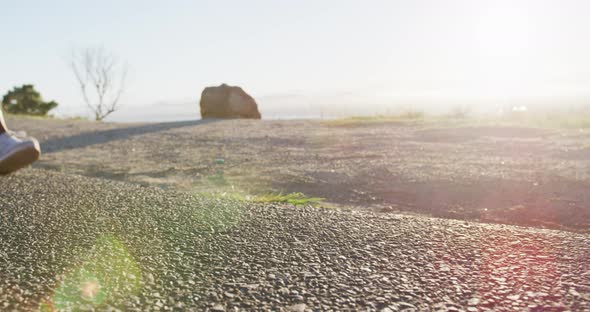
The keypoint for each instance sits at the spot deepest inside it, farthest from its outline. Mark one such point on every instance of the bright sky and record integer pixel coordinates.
(275, 49)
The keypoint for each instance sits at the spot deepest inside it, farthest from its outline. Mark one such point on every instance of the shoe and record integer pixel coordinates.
(16, 153)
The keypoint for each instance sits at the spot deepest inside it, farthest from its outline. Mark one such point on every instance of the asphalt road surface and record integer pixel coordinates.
(503, 174)
(76, 243)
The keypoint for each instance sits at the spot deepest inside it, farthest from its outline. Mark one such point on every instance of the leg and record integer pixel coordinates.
(3, 127)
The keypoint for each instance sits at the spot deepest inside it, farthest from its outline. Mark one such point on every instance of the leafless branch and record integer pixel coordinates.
(101, 78)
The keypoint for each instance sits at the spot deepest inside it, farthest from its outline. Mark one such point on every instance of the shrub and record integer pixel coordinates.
(26, 100)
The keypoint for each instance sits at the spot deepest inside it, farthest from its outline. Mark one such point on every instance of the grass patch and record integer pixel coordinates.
(296, 199)
(36, 117)
(554, 120)
(218, 179)
(291, 198)
(233, 196)
(461, 117)
(45, 117)
(410, 117)
(406, 119)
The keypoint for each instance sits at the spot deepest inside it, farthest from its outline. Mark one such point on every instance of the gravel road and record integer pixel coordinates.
(71, 242)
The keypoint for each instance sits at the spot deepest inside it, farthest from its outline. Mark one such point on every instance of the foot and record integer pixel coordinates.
(16, 153)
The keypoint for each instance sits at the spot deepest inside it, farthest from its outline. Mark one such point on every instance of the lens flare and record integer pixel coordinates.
(108, 274)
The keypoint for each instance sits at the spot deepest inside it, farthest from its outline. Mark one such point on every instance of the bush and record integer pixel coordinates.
(26, 100)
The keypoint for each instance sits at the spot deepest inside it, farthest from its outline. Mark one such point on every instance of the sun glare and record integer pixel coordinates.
(505, 41)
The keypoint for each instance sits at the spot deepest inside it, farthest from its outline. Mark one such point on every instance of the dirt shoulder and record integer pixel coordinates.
(518, 175)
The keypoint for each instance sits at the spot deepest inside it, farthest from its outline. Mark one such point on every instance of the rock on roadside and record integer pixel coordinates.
(227, 101)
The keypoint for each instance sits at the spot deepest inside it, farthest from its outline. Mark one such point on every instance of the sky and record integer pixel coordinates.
(321, 56)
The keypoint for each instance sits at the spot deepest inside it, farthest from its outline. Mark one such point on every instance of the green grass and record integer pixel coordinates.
(234, 196)
(218, 179)
(296, 199)
(291, 198)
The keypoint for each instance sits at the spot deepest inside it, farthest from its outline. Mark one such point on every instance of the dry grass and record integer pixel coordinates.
(410, 117)
(549, 120)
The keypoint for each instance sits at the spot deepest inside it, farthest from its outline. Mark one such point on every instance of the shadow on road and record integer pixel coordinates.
(99, 137)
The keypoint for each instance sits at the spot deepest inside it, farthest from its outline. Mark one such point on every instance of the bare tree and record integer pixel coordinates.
(101, 77)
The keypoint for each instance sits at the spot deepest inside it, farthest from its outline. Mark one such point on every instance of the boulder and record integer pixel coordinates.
(227, 102)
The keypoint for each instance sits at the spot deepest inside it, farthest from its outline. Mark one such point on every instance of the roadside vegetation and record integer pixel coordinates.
(291, 198)
(463, 117)
(45, 117)
(409, 117)
(295, 199)
(552, 120)
(26, 100)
